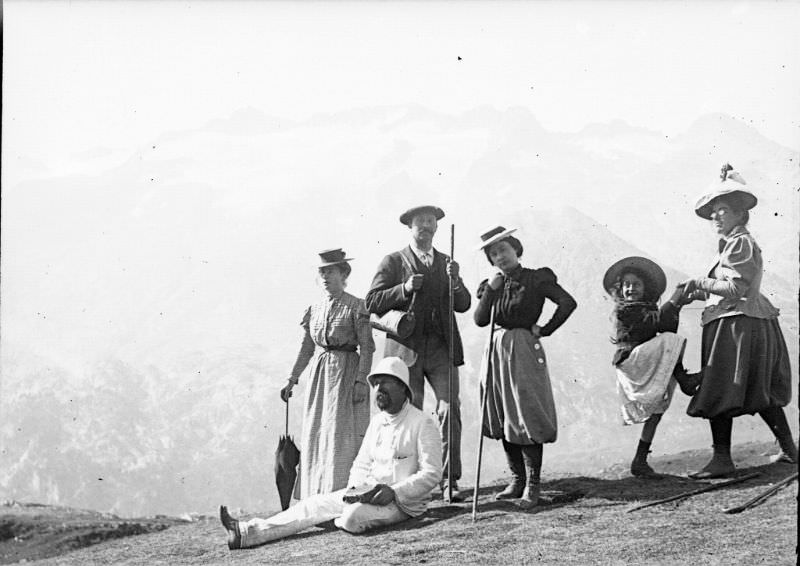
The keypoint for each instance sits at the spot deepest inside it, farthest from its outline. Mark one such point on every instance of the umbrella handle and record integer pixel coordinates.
(287, 417)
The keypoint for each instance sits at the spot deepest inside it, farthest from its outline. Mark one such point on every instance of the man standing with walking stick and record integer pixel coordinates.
(420, 270)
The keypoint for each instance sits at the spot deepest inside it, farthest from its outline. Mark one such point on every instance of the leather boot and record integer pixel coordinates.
(232, 527)
(720, 466)
(776, 420)
(688, 382)
(639, 466)
(517, 466)
(532, 455)
(788, 454)
(783, 458)
(530, 496)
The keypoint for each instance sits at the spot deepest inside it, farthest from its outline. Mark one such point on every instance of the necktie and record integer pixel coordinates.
(426, 259)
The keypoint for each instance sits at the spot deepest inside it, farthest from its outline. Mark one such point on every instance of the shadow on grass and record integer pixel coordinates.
(566, 491)
(612, 492)
(631, 489)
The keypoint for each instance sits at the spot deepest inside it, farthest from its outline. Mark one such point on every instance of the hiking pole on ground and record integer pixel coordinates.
(697, 491)
(483, 395)
(450, 375)
(762, 496)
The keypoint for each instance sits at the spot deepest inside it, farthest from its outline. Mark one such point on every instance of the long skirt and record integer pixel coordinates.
(333, 424)
(745, 368)
(519, 399)
(644, 380)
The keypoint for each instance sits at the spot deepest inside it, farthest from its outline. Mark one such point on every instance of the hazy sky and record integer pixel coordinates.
(90, 86)
(200, 253)
(89, 79)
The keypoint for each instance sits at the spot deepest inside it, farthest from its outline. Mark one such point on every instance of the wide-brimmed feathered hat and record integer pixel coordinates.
(730, 185)
(494, 235)
(642, 264)
(333, 257)
(409, 214)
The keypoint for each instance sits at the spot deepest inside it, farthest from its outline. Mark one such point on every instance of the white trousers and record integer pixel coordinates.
(352, 517)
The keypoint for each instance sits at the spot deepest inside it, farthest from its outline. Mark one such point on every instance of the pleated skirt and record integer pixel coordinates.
(745, 368)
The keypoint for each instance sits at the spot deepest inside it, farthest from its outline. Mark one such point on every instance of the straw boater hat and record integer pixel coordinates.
(409, 214)
(394, 367)
(494, 235)
(646, 266)
(333, 257)
(730, 185)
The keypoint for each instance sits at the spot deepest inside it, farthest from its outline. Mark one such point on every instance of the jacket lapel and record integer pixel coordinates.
(413, 260)
(713, 266)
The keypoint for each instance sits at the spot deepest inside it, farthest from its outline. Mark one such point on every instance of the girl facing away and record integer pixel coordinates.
(649, 354)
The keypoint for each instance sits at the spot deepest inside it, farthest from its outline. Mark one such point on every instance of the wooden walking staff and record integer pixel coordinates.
(483, 396)
(450, 375)
(762, 496)
(688, 494)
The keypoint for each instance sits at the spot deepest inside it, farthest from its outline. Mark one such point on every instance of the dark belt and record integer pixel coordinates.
(345, 348)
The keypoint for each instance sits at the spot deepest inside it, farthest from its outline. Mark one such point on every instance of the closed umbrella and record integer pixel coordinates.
(287, 458)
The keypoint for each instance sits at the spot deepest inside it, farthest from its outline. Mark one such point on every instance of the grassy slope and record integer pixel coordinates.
(583, 521)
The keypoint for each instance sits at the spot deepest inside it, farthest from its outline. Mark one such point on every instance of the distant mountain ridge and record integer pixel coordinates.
(151, 310)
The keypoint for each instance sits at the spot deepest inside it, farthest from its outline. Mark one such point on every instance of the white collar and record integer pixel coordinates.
(397, 417)
(421, 253)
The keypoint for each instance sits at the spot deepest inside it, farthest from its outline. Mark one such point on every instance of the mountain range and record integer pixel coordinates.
(151, 304)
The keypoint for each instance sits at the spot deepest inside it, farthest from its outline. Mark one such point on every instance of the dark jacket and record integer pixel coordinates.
(430, 307)
(639, 321)
(520, 301)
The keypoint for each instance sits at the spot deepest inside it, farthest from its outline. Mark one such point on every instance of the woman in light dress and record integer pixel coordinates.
(337, 347)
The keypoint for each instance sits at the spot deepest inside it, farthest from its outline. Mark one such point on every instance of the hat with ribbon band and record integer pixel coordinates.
(333, 257)
(494, 235)
(409, 214)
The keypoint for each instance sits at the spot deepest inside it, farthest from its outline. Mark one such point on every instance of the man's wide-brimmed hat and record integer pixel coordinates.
(494, 235)
(730, 186)
(333, 257)
(650, 268)
(409, 214)
(394, 367)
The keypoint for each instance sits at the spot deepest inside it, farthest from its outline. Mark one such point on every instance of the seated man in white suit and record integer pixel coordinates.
(399, 463)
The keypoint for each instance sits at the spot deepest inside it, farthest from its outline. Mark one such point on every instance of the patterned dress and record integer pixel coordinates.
(334, 424)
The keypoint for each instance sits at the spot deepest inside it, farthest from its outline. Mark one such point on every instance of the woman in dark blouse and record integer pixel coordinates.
(519, 400)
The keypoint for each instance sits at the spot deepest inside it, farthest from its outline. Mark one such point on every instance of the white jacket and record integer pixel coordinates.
(403, 451)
